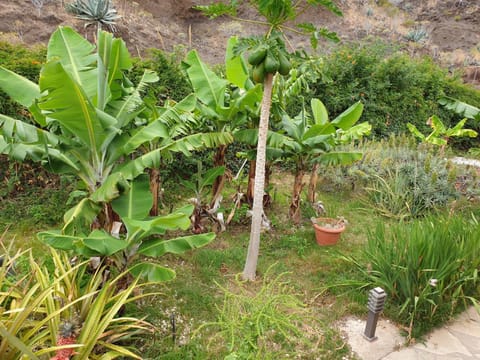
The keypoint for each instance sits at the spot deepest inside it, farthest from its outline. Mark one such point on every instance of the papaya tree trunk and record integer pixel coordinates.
(251, 182)
(155, 190)
(250, 268)
(295, 210)
(218, 160)
(312, 186)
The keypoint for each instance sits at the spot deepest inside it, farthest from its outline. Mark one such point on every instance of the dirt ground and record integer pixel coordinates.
(453, 26)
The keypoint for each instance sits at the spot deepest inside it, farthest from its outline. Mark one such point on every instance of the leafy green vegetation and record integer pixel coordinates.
(129, 161)
(395, 88)
(40, 303)
(429, 268)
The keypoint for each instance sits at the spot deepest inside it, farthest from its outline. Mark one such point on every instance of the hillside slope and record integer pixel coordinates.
(448, 30)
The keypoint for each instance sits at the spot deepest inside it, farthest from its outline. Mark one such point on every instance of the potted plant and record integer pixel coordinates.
(328, 230)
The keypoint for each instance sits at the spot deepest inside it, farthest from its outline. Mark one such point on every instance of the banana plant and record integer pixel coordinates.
(129, 250)
(197, 185)
(224, 104)
(440, 134)
(461, 108)
(311, 139)
(85, 111)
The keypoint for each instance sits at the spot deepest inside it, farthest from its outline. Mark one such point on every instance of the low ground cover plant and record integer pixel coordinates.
(264, 323)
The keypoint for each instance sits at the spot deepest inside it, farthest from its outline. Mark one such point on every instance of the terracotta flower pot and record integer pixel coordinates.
(327, 230)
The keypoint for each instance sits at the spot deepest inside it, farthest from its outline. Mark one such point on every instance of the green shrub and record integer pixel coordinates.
(172, 84)
(23, 61)
(429, 269)
(394, 88)
(398, 178)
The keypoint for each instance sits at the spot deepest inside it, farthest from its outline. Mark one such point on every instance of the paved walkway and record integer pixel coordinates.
(458, 340)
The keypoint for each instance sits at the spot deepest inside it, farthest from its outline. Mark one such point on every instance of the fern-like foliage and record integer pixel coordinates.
(101, 12)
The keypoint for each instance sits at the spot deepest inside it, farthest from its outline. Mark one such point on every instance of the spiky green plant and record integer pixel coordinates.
(100, 12)
(429, 268)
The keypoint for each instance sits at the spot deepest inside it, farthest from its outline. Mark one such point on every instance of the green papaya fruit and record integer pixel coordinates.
(285, 64)
(271, 63)
(258, 74)
(257, 56)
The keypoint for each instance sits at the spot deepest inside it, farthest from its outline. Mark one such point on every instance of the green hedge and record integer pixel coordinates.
(172, 84)
(395, 88)
(23, 61)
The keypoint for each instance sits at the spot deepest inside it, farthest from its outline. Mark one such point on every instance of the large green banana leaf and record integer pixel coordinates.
(76, 56)
(68, 103)
(179, 245)
(349, 117)
(460, 107)
(339, 158)
(235, 67)
(115, 57)
(22, 90)
(136, 202)
(208, 87)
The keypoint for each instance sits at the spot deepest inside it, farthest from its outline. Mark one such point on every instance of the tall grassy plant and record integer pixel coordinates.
(428, 268)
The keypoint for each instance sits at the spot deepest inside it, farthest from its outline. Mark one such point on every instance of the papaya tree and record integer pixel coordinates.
(268, 56)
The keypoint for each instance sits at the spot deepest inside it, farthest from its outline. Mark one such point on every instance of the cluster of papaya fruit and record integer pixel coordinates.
(269, 59)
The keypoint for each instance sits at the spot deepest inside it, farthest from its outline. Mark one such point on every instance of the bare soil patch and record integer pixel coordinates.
(172, 25)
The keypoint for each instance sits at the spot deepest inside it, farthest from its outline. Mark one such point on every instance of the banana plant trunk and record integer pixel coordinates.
(312, 186)
(295, 210)
(105, 218)
(155, 190)
(217, 188)
(250, 268)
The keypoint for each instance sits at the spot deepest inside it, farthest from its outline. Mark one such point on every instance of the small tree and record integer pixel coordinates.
(311, 139)
(268, 56)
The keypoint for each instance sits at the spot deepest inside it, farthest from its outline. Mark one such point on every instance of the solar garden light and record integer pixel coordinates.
(376, 301)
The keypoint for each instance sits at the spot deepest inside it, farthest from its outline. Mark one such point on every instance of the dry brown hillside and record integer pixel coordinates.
(452, 27)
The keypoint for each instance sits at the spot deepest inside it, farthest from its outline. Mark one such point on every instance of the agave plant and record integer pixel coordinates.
(100, 12)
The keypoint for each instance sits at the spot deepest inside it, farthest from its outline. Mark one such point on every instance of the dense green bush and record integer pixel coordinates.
(23, 61)
(399, 178)
(428, 268)
(172, 84)
(395, 88)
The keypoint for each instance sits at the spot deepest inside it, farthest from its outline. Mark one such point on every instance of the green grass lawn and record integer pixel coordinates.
(317, 277)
